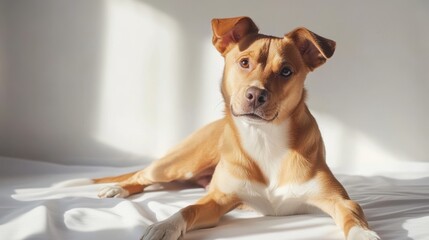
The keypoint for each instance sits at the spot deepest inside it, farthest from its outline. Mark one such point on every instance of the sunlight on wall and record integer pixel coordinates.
(211, 105)
(141, 64)
(353, 152)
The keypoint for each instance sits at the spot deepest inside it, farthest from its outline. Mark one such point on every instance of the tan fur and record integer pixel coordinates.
(218, 148)
(197, 216)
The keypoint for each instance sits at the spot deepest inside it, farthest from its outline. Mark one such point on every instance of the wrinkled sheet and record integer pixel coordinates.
(397, 207)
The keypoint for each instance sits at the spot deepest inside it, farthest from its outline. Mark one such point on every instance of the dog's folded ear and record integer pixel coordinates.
(227, 31)
(314, 49)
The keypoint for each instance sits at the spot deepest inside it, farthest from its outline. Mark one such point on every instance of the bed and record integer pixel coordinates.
(32, 207)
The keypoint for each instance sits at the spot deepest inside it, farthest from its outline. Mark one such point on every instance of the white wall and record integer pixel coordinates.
(2, 59)
(117, 82)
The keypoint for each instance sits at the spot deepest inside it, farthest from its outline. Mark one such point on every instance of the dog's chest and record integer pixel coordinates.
(268, 146)
(285, 200)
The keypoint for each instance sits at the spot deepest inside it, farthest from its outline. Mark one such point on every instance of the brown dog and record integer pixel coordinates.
(267, 152)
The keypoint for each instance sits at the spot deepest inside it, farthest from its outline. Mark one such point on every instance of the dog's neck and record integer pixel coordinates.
(269, 137)
(266, 144)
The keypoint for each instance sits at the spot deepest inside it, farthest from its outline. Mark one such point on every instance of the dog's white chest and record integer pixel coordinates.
(285, 200)
(268, 146)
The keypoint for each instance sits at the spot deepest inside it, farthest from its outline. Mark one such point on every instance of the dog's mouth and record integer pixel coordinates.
(254, 116)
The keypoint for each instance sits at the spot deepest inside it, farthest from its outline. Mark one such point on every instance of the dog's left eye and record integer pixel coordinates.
(244, 63)
(286, 72)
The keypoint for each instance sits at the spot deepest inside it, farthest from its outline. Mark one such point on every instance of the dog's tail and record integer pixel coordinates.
(89, 181)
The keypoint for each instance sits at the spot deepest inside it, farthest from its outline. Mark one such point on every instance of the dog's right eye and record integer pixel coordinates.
(244, 63)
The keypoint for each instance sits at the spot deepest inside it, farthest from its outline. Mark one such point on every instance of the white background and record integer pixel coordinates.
(119, 82)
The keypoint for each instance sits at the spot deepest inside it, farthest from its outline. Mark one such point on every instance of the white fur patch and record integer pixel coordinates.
(286, 200)
(266, 144)
(172, 228)
(189, 175)
(359, 233)
(114, 191)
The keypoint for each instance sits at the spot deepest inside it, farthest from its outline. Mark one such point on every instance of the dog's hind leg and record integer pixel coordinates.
(192, 160)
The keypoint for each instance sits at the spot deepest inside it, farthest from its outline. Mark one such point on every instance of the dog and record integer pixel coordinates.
(266, 152)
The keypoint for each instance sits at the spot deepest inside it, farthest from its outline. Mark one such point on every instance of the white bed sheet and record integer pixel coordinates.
(397, 207)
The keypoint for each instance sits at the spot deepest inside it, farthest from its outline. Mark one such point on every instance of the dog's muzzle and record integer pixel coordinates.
(253, 106)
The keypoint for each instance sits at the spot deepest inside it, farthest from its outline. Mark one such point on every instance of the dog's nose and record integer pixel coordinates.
(256, 96)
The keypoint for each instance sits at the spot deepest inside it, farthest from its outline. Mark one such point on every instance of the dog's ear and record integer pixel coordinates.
(231, 30)
(314, 49)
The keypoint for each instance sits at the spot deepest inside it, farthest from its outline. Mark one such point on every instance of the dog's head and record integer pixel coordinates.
(264, 76)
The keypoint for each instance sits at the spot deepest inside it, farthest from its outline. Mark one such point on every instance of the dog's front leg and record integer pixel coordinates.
(347, 214)
(205, 213)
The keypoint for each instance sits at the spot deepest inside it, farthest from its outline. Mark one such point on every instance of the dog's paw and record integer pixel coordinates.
(114, 191)
(164, 230)
(359, 233)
